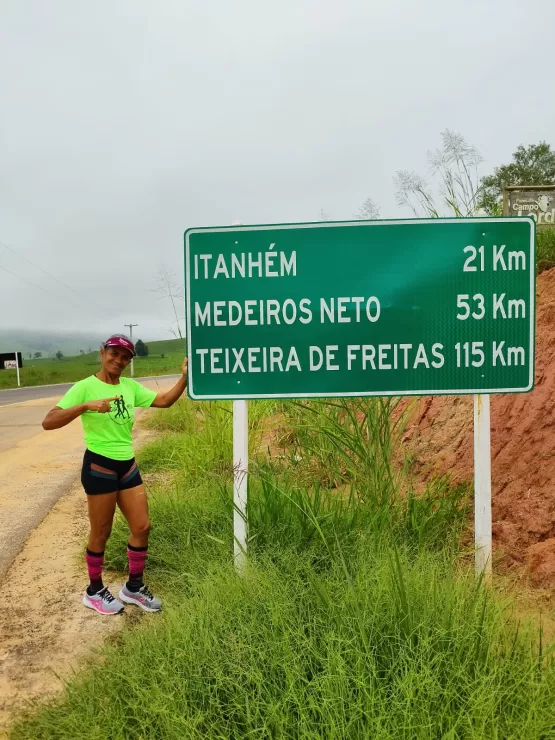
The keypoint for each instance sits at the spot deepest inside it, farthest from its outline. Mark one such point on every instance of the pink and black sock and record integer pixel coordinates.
(137, 559)
(95, 560)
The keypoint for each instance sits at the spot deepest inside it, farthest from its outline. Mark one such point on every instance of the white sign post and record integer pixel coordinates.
(11, 365)
(240, 477)
(482, 485)
(240, 480)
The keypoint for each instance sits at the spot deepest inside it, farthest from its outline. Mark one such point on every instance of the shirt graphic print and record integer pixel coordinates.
(109, 434)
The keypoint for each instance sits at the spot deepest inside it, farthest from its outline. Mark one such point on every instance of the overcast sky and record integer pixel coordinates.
(124, 123)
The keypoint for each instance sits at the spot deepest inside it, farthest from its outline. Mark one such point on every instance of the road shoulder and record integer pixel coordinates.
(45, 632)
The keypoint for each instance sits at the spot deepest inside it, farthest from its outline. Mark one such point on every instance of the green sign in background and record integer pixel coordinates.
(418, 276)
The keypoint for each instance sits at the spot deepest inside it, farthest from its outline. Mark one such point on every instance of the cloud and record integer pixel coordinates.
(125, 123)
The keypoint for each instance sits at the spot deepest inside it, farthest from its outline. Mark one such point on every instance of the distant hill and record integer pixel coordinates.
(48, 343)
(165, 357)
(166, 346)
(29, 341)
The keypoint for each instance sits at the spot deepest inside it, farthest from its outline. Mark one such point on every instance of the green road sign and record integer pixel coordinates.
(420, 307)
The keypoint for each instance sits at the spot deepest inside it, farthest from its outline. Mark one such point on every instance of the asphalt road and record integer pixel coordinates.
(18, 395)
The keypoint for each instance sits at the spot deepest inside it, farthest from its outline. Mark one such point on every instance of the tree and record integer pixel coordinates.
(368, 211)
(59, 355)
(456, 166)
(37, 355)
(30, 356)
(81, 351)
(169, 288)
(141, 348)
(531, 165)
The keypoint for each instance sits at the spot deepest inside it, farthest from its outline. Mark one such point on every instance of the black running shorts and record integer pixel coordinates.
(102, 475)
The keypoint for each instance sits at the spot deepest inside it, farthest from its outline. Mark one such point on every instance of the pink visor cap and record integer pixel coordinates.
(118, 341)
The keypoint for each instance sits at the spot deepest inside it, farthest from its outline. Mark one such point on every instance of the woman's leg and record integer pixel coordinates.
(101, 515)
(100, 481)
(134, 507)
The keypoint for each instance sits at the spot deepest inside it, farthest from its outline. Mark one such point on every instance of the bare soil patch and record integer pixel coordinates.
(45, 631)
(523, 454)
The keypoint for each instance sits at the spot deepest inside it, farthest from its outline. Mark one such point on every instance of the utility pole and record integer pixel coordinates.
(131, 338)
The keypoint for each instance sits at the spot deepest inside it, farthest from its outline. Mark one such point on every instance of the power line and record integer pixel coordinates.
(44, 290)
(11, 249)
(7, 246)
(28, 281)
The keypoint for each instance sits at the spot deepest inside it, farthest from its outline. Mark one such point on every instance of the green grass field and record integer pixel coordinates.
(358, 615)
(164, 358)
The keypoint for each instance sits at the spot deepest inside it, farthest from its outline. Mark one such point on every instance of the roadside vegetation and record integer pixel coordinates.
(545, 249)
(358, 614)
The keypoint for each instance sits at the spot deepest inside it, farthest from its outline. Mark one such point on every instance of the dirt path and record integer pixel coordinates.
(36, 467)
(39, 646)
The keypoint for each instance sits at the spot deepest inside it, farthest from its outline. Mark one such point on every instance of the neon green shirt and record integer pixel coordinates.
(109, 434)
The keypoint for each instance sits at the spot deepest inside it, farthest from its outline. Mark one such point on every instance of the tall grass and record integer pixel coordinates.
(545, 249)
(348, 440)
(391, 648)
(356, 616)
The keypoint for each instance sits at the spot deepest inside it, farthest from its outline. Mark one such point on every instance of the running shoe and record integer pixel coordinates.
(103, 602)
(143, 598)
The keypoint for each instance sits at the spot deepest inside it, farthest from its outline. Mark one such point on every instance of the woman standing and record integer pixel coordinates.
(106, 403)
